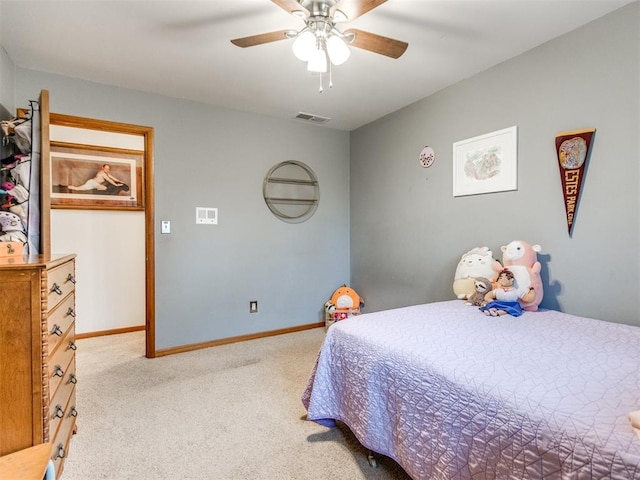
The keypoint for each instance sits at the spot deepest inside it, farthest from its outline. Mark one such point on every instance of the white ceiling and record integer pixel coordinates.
(182, 49)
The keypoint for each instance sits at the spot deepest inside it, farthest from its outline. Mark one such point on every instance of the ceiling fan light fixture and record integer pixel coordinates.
(337, 50)
(304, 45)
(318, 61)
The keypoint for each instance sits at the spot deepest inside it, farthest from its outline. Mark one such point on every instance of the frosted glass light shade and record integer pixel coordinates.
(338, 50)
(318, 61)
(304, 45)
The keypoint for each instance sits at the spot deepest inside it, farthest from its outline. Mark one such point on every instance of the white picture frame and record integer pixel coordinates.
(486, 164)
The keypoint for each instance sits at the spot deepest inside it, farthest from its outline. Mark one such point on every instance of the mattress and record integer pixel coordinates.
(450, 393)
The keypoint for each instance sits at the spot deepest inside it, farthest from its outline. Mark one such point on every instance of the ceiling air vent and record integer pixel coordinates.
(310, 117)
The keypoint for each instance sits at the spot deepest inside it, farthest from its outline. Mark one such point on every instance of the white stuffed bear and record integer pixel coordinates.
(477, 262)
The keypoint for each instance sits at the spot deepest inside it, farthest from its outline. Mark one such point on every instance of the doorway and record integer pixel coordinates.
(69, 134)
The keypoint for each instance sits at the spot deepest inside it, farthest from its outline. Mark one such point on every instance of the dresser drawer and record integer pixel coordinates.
(60, 441)
(60, 402)
(59, 363)
(59, 321)
(60, 282)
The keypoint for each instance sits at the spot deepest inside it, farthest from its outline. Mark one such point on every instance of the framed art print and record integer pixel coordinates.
(93, 177)
(486, 164)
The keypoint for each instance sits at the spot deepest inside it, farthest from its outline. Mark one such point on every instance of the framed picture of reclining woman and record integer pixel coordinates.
(96, 177)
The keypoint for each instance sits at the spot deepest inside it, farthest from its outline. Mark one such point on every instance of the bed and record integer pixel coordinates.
(450, 393)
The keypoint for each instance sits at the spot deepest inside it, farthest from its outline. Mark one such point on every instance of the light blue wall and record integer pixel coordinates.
(212, 157)
(408, 231)
(7, 86)
(405, 229)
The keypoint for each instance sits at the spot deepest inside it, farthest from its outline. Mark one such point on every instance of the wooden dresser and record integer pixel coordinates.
(37, 354)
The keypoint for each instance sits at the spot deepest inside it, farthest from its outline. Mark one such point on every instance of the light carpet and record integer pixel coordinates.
(226, 412)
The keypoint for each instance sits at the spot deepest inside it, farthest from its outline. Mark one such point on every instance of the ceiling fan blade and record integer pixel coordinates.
(355, 8)
(291, 6)
(377, 43)
(260, 39)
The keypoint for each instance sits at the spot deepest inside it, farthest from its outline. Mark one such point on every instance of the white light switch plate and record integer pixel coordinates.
(165, 226)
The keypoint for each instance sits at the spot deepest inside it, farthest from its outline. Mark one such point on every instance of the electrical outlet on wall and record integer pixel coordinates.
(253, 306)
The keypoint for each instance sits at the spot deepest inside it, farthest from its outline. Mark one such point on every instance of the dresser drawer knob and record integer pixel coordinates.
(59, 413)
(71, 278)
(56, 289)
(58, 371)
(73, 379)
(72, 346)
(60, 453)
(73, 412)
(56, 330)
(71, 312)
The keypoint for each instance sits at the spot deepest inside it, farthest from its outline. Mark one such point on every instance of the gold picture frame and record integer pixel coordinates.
(96, 177)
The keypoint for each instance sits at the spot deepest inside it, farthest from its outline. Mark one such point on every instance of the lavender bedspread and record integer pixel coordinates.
(450, 393)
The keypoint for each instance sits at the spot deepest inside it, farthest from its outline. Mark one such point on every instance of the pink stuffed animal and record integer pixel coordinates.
(522, 259)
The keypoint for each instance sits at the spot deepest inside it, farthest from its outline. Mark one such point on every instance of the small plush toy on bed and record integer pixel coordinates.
(504, 299)
(521, 258)
(477, 262)
(483, 286)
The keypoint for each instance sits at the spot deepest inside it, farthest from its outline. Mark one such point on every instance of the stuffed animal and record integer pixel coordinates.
(483, 286)
(329, 314)
(345, 298)
(522, 259)
(343, 303)
(506, 298)
(477, 262)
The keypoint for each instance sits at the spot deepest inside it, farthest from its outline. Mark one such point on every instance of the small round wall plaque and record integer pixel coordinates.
(427, 157)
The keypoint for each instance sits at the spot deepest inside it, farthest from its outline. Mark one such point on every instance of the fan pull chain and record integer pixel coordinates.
(320, 89)
(330, 76)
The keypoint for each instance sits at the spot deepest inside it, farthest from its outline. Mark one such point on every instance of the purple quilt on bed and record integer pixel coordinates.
(450, 393)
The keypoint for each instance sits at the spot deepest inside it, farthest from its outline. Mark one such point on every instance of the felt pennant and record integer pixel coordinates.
(572, 149)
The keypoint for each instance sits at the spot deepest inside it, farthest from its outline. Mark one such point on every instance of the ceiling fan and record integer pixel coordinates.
(320, 42)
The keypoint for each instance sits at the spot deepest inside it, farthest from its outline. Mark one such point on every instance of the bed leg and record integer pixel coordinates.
(372, 459)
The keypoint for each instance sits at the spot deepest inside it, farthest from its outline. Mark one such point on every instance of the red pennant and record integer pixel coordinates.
(572, 149)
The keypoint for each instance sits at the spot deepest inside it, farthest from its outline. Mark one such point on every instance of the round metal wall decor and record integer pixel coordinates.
(291, 191)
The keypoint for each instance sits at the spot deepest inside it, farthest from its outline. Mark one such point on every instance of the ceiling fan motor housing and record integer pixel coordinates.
(318, 8)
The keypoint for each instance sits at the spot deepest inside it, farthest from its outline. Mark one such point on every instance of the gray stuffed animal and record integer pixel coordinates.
(483, 286)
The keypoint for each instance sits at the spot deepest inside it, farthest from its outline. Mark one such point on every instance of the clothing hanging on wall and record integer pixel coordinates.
(20, 180)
